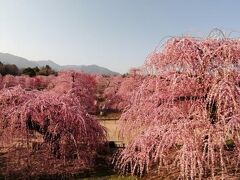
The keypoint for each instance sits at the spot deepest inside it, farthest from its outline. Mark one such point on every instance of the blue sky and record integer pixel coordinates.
(117, 34)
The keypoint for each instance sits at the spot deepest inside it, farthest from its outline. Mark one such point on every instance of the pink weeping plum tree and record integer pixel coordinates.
(81, 85)
(186, 113)
(61, 119)
(118, 90)
(110, 97)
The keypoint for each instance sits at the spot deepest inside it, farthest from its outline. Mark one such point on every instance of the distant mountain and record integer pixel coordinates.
(50, 63)
(19, 61)
(91, 69)
(23, 63)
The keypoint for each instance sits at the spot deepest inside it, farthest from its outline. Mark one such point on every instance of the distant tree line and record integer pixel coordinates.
(8, 69)
(12, 69)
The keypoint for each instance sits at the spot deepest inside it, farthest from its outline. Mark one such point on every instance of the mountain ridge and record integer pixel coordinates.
(24, 63)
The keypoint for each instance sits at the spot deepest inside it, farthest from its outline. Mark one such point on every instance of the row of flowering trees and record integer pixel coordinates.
(185, 114)
(37, 82)
(113, 92)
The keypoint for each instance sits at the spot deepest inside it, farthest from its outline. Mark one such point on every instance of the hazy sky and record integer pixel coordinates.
(117, 34)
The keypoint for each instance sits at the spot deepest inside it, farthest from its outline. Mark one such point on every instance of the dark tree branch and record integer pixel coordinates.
(49, 137)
